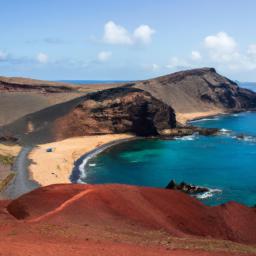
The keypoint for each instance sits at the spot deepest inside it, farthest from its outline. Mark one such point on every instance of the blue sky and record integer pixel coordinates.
(126, 40)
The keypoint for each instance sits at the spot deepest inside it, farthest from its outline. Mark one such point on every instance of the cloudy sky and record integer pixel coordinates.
(126, 40)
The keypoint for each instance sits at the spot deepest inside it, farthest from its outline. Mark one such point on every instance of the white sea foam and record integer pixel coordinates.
(205, 119)
(82, 167)
(208, 194)
(224, 131)
(246, 138)
(188, 137)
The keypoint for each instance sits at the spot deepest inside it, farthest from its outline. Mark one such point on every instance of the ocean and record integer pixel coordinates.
(226, 163)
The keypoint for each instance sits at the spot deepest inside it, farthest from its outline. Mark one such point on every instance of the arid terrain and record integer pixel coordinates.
(43, 127)
(128, 220)
(26, 96)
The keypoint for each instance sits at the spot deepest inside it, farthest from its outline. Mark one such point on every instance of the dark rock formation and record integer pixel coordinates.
(186, 188)
(119, 110)
(189, 130)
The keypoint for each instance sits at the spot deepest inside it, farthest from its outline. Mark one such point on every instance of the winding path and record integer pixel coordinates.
(21, 183)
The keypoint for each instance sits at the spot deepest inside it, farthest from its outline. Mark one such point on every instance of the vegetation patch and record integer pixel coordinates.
(7, 159)
(6, 181)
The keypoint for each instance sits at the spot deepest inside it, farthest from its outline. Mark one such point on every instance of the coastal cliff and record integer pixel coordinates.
(120, 110)
(145, 108)
(200, 91)
(117, 110)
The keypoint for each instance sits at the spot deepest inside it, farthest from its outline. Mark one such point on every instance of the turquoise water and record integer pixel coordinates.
(221, 162)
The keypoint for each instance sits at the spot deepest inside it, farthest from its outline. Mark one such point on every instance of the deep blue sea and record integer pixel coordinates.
(225, 163)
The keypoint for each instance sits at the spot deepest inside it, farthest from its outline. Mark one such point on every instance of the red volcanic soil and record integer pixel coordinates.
(122, 220)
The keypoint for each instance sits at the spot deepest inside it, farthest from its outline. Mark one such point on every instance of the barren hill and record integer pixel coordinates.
(22, 96)
(133, 220)
(143, 108)
(198, 91)
(117, 110)
(27, 84)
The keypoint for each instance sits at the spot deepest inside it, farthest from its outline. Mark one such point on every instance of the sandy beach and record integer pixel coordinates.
(183, 118)
(55, 167)
(11, 150)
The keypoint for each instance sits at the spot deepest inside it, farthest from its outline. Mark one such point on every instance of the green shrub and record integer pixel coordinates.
(7, 160)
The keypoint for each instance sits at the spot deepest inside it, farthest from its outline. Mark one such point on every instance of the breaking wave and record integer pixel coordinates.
(205, 119)
(225, 131)
(208, 194)
(246, 138)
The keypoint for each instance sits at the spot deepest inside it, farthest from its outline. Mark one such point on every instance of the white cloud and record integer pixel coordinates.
(223, 51)
(221, 42)
(252, 51)
(221, 47)
(104, 56)
(117, 34)
(143, 34)
(195, 55)
(42, 58)
(3, 55)
(152, 67)
(175, 62)
(155, 67)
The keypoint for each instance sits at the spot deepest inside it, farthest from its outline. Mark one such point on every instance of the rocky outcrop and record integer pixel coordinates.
(119, 110)
(186, 188)
(188, 130)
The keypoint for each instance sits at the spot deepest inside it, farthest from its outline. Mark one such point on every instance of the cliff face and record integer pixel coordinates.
(117, 111)
(143, 108)
(199, 90)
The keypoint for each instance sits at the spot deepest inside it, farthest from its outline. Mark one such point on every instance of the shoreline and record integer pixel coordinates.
(53, 163)
(185, 118)
(198, 116)
(62, 165)
(83, 160)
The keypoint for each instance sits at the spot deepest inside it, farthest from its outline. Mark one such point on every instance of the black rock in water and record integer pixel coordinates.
(186, 188)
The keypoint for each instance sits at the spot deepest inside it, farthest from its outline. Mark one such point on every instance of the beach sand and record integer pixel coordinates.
(55, 167)
(183, 118)
(9, 150)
